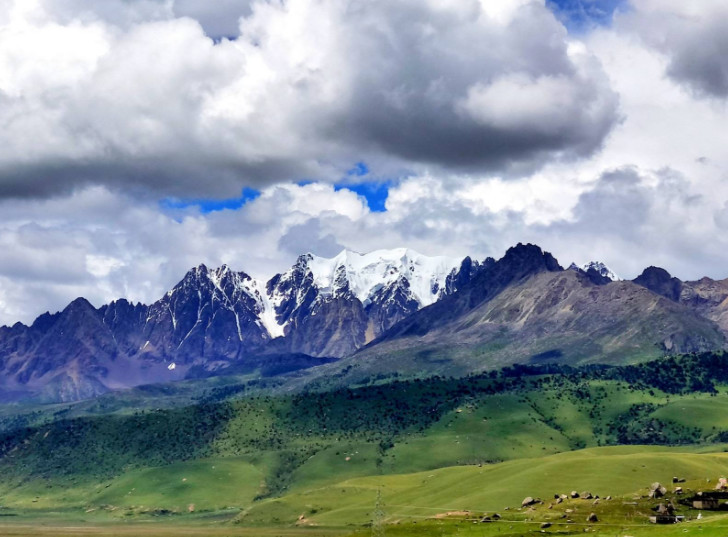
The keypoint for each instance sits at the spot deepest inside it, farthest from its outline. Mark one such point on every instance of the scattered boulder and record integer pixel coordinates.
(657, 490)
(678, 490)
(608, 498)
(564, 497)
(574, 494)
(722, 484)
(587, 495)
(545, 525)
(596, 502)
(664, 509)
(559, 500)
(528, 500)
(496, 516)
(592, 518)
(486, 519)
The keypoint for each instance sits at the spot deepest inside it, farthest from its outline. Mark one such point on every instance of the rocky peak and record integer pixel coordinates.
(462, 275)
(526, 259)
(659, 281)
(192, 279)
(79, 304)
(45, 321)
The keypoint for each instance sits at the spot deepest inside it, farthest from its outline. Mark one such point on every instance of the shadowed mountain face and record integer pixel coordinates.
(405, 313)
(659, 281)
(526, 309)
(706, 296)
(219, 321)
(336, 310)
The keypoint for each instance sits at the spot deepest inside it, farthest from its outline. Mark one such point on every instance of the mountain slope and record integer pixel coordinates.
(526, 308)
(707, 297)
(404, 312)
(219, 321)
(300, 445)
(332, 307)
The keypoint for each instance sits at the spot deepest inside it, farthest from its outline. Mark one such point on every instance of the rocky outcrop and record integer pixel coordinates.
(659, 281)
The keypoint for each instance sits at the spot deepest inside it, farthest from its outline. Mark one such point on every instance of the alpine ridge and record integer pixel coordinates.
(217, 320)
(381, 313)
(525, 308)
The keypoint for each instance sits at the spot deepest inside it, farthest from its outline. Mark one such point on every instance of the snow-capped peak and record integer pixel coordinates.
(375, 277)
(602, 269)
(365, 274)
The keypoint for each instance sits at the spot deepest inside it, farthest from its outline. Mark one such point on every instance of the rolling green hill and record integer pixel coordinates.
(487, 441)
(491, 488)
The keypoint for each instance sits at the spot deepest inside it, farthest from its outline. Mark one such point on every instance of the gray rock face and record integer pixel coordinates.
(451, 316)
(336, 320)
(212, 321)
(659, 281)
(209, 315)
(526, 309)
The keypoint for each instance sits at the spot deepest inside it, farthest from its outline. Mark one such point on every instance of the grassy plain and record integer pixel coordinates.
(315, 463)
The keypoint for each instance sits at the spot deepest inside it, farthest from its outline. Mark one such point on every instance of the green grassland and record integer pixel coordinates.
(418, 504)
(428, 446)
(615, 471)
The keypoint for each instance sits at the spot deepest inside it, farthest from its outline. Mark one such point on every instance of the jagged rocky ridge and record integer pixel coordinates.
(525, 308)
(400, 310)
(218, 320)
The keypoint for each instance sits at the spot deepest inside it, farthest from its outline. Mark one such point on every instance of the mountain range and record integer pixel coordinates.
(356, 316)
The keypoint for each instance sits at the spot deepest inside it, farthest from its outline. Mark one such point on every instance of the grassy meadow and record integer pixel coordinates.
(316, 463)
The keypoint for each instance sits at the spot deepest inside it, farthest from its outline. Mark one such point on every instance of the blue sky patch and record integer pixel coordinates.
(212, 205)
(375, 192)
(582, 15)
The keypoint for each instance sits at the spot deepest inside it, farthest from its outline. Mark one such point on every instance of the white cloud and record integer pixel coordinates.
(134, 96)
(501, 127)
(693, 38)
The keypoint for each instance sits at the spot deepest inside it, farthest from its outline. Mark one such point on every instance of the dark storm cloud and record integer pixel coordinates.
(309, 88)
(693, 36)
(219, 18)
(428, 100)
(180, 176)
(700, 57)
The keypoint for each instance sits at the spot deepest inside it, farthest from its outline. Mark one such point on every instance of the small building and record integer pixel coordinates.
(711, 500)
(665, 514)
(706, 503)
(663, 519)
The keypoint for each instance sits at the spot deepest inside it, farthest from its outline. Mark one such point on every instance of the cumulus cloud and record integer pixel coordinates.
(692, 35)
(136, 95)
(105, 245)
(219, 19)
(498, 126)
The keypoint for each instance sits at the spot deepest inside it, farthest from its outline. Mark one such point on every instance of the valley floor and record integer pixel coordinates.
(443, 502)
(428, 457)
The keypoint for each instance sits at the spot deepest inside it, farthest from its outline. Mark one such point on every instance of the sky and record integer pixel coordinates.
(140, 138)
